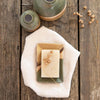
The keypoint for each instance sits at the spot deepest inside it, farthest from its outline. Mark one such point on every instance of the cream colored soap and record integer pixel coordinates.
(50, 63)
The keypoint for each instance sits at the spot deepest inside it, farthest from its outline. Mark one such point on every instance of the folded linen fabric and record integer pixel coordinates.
(28, 64)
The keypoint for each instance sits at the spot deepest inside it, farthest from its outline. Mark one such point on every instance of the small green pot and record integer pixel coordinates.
(49, 10)
(30, 20)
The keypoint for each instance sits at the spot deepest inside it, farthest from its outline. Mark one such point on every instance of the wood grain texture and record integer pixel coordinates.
(9, 49)
(26, 93)
(67, 27)
(90, 53)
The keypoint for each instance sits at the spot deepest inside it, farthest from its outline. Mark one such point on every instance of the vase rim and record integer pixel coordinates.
(49, 1)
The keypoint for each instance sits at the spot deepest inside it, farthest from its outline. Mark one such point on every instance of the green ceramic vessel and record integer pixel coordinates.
(30, 20)
(49, 9)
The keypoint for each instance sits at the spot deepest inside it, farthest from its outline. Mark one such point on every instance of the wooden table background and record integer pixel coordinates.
(86, 78)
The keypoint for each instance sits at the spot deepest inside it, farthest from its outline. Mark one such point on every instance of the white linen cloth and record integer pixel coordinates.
(28, 64)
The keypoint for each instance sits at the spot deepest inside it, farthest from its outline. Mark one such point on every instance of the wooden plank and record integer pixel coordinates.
(90, 55)
(65, 26)
(26, 93)
(9, 49)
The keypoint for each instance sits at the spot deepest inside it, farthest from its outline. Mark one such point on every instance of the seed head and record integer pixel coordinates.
(81, 21)
(77, 13)
(93, 16)
(82, 26)
(74, 13)
(89, 11)
(92, 19)
(85, 7)
(89, 14)
(90, 22)
(80, 15)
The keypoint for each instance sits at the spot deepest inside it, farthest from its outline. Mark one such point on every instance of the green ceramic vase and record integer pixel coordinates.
(30, 20)
(49, 10)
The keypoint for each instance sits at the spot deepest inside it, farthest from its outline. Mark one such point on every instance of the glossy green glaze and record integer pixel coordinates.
(52, 80)
(30, 20)
(48, 8)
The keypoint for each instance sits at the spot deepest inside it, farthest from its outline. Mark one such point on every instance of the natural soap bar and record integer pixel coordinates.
(49, 46)
(50, 63)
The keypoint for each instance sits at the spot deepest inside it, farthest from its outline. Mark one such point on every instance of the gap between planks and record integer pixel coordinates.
(20, 50)
(79, 50)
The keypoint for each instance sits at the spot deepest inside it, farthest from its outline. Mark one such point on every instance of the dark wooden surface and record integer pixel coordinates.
(86, 78)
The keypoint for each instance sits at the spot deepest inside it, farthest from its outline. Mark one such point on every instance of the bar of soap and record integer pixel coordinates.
(49, 46)
(50, 63)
